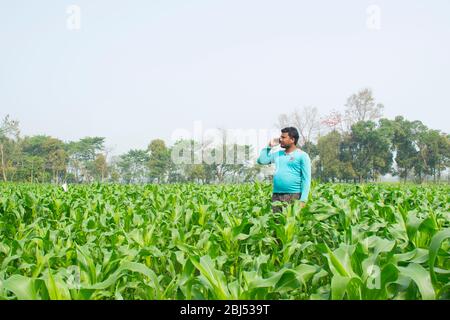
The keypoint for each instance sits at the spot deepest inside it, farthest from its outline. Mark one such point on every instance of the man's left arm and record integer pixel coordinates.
(305, 171)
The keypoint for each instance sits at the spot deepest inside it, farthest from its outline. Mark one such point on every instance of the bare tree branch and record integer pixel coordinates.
(306, 120)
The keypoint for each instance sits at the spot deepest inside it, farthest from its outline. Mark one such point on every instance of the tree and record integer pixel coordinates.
(329, 165)
(347, 158)
(311, 149)
(180, 156)
(231, 160)
(82, 155)
(133, 166)
(403, 142)
(33, 169)
(421, 169)
(196, 173)
(100, 168)
(333, 121)
(88, 147)
(53, 157)
(371, 147)
(306, 121)
(362, 107)
(235, 161)
(433, 153)
(251, 173)
(159, 160)
(443, 162)
(114, 173)
(9, 145)
(364, 152)
(225, 156)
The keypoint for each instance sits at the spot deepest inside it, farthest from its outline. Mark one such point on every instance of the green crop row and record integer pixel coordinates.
(189, 241)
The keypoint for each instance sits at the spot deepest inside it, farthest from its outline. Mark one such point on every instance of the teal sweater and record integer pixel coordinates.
(292, 173)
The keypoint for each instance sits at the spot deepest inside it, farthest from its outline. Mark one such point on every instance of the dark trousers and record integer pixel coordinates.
(285, 198)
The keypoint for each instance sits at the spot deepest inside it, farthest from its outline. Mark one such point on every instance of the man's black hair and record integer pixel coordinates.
(292, 132)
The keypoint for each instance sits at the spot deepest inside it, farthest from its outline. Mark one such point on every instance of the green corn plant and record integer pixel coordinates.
(187, 241)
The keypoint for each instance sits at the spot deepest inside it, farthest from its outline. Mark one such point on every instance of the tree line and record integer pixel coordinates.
(358, 145)
(45, 159)
(407, 149)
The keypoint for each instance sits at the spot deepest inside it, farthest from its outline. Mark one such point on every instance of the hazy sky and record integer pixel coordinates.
(138, 70)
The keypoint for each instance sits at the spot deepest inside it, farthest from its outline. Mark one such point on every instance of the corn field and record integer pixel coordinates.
(187, 241)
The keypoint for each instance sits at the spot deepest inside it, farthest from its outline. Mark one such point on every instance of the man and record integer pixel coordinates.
(292, 178)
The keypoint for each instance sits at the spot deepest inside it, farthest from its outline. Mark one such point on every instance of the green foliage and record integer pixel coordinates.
(187, 241)
(365, 151)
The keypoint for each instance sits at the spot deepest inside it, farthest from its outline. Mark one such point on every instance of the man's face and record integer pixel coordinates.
(285, 140)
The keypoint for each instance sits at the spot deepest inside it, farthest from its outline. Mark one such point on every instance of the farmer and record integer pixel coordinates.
(292, 177)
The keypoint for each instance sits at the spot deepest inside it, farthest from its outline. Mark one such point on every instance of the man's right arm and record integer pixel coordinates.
(265, 157)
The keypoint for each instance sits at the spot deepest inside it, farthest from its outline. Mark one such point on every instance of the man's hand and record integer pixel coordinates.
(274, 142)
(302, 204)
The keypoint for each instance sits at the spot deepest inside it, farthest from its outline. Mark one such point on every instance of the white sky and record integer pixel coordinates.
(139, 70)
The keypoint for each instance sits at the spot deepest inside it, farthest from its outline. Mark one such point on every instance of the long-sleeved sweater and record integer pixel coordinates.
(292, 171)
